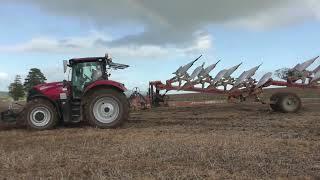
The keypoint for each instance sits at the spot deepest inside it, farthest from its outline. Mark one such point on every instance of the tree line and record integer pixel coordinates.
(18, 89)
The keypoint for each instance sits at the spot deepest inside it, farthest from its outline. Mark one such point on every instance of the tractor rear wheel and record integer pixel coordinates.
(107, 108)
(41, 115)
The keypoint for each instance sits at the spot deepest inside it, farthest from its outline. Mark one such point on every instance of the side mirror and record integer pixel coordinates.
(65, 66)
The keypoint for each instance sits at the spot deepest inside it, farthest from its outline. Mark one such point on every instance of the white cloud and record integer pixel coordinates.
(169, 26)
(278, 16)
(98, 44)
(4, 81)
(3, 76)
(168, 22)
(203, 42)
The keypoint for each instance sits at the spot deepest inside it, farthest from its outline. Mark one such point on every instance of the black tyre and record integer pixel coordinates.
(106, 108)
(41, 115)
(289, 103)
(274, 102)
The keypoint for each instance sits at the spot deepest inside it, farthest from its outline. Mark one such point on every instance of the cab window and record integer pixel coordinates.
(83, 74)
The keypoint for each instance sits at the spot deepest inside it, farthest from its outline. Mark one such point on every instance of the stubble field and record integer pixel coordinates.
(222, 141)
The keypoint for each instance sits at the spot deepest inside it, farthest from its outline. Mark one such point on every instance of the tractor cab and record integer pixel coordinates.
(87, 71)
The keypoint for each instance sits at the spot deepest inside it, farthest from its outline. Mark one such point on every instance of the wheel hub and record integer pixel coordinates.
(106, 110)
(291, 103)
(40, 116)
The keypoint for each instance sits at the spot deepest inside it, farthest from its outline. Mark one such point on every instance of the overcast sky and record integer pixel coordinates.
(155, 37)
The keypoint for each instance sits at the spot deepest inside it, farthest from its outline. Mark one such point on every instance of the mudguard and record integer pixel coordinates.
(109, 83)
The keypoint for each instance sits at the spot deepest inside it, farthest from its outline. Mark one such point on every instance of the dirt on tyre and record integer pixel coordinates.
(289, 103)
(274, 101)
(41, 115)
(106, 108)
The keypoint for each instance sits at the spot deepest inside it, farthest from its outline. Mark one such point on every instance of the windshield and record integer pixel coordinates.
(83, 74)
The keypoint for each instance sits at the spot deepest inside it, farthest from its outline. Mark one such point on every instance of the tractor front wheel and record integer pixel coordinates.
(41, 115)
(106, 108)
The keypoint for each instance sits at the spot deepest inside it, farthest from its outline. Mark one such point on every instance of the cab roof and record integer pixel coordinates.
(87, 59)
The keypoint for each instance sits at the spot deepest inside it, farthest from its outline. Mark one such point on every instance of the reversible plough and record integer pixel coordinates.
(241, 88)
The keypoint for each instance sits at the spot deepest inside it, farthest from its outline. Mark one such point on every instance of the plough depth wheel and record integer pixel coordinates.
(285, 102)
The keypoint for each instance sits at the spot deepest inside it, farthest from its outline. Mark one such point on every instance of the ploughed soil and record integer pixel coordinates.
(219, 141)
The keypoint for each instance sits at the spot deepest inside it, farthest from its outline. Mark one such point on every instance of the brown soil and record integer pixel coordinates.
(238, 141)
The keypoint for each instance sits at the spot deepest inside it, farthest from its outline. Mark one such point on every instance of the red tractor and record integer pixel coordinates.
(89, 95)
